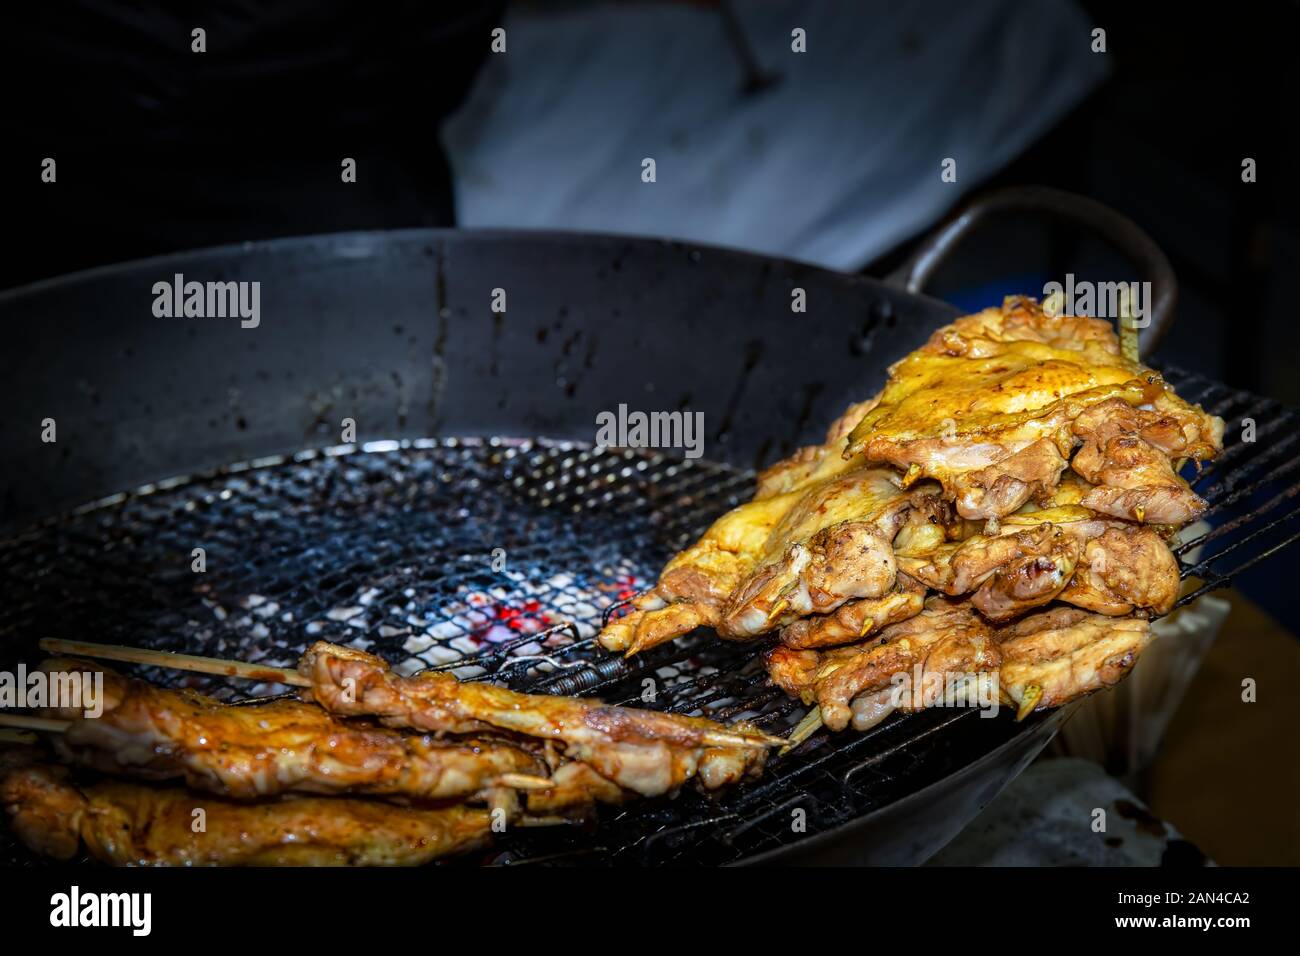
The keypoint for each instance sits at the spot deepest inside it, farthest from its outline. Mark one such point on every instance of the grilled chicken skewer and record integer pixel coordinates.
(995, 403)
(272, 748)
(947, 637)
(1056, 656)
(834, 545)
(778, 559)
(573, 788)
(127, 824)
(852, 622)
(1044, 660)
(695, 584)
(815, 535)
(642, 751)
(647, 752)
(1064, 551)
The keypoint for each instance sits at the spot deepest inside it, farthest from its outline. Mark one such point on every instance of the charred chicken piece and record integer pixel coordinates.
(695, 584)
(990, 405)
(852, 622)
(1124, 571)
(1056, 656)
(1043, 660)
(266, 749)
(775, 560)
(127, 824)
(947, 637)
(1127, 452)
(644, 751)
(774, 542)
(835, 544)
(1065, 552)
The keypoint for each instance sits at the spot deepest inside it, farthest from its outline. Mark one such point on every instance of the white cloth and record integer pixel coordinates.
(835, 164)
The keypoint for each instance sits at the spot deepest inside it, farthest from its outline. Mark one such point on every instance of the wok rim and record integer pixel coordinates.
(444, 233)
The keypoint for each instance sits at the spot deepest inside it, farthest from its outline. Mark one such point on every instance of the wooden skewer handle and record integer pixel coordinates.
(183, 662)
(525, 781)
(23, 722)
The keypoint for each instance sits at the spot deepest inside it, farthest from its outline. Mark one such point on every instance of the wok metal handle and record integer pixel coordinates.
(1119, 231)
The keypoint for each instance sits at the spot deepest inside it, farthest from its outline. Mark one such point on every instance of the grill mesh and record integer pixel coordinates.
(496, 558)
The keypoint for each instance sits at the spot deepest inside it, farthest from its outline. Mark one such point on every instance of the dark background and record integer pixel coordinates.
(157, 156)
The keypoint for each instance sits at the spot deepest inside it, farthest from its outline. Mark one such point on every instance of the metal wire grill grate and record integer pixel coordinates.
(496, 558)
(1253, 488)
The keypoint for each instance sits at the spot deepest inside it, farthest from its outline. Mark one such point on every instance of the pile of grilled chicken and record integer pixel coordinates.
(1003, 508)
(369, 767)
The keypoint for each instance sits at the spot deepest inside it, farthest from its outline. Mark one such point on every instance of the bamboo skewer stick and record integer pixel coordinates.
(715, 738)
(43, 724)
(17, 737)
(524, 781)
(811, 723)
(281, 675)
(549, 821)
(184, 662)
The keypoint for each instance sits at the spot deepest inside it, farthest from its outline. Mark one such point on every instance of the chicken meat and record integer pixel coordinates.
(993, 406)
(1043, 660)
(129, 824)
(644, 751)
(1064, 552)
(270, 748)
